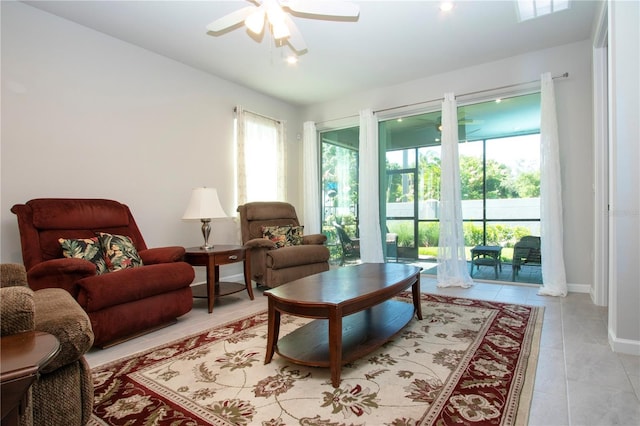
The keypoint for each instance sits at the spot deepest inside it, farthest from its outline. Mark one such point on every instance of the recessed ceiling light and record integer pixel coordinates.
(446, 6)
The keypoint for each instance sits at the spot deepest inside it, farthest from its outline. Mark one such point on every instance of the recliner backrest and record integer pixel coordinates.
(43, 221)
(255, 215)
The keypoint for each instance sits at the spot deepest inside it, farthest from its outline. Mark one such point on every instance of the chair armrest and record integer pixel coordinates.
(57, 313)
(13, 274)
(162, 255)
(17, 310)
(60, 273)
(519, 255)
(260, 243)
(314, 239)
(294, 256)
(132, 284)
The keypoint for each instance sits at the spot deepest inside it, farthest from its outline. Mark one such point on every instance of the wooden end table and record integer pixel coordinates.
(22, 357)
(212, 259)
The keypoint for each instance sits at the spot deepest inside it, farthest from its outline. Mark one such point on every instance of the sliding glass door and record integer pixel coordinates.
(402, 203)
(499, 157)
(339, 186)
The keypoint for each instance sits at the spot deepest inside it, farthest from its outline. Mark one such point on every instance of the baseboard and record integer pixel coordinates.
(624, 346)
(579, 288)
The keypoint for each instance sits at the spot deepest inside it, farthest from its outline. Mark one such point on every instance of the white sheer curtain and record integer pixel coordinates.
(368, 194)
(311, 178)
(551, 245)
(452, 263)
(259, 142)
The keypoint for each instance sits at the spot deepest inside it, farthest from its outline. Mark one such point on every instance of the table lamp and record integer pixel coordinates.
(204, 205)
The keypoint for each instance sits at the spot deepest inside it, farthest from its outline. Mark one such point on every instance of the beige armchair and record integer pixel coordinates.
(272, 266)
(63, 393)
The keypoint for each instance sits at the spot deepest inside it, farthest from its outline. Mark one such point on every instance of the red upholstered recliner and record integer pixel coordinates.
(120, 304)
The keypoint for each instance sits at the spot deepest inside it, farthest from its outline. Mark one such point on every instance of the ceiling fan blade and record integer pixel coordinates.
(231, 20)
(295, 40)
(323, 7)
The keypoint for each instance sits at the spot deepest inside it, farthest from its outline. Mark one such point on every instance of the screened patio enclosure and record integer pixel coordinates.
(499, 156)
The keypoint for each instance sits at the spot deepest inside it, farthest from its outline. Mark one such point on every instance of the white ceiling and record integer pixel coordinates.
(391, 42)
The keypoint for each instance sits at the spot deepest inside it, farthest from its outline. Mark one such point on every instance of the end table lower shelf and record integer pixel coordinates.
(222, 288)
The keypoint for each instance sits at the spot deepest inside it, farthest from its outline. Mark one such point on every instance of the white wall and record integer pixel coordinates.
(624, 157)
(573, 98)
(87, 115)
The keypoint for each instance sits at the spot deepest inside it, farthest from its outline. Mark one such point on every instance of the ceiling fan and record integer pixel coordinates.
(463, 121)
(276, 14)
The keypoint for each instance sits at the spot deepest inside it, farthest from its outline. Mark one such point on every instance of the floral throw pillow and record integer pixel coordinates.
(276, 234)
(294, 238)
(283, 236)
(86, 248)
(119, 251)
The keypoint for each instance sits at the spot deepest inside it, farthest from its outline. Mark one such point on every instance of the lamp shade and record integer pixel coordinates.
(204, 204)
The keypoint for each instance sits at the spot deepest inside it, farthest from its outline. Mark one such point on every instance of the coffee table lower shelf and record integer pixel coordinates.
(362, 333)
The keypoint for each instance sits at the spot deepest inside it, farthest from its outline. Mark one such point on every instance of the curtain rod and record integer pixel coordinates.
(563, 75)
(235, 110)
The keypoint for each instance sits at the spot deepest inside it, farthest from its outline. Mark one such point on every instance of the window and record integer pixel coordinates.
(260, 158)
(529, 9)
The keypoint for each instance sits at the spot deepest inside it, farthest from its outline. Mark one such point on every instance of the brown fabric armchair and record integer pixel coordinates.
(271, 266)
(120, 304)
(63, 392)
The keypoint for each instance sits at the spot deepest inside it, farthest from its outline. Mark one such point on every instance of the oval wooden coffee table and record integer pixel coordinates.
(352, 310)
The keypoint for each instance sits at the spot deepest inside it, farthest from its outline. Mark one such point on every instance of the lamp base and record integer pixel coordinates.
(206, 230)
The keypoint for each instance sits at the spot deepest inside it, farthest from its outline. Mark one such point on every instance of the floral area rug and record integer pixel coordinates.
(467, 362)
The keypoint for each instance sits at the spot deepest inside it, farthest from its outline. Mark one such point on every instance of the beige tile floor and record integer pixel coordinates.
(579, 380)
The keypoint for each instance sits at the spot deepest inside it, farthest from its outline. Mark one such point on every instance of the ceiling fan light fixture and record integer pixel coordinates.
(255, 22)
(275, 13)
(280, 30)
(292, 59)
(279, 21)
